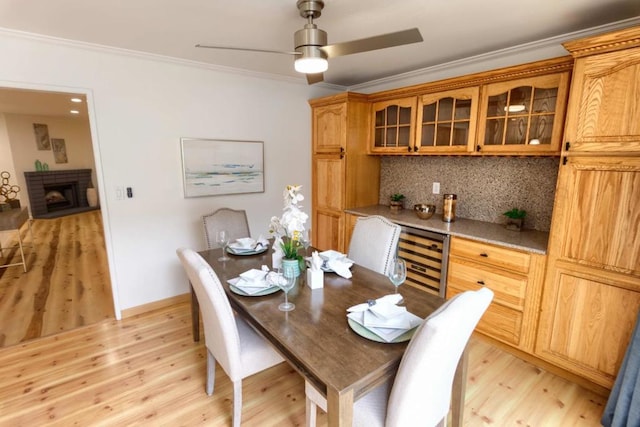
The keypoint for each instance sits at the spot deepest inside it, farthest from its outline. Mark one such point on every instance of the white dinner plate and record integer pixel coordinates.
(355, 321)
(233, 251)
(266, 291)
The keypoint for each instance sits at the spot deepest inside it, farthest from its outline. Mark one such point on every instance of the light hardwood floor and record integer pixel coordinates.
(67, 284)
(146, 370)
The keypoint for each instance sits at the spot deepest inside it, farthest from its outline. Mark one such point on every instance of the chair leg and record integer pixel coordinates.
(237, 403)
(311, 412)
(211, 372)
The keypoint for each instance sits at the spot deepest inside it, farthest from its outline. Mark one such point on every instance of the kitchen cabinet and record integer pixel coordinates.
(604, 112)
(514, 276)
(447, 121)
(591, 291)
(523, 116)
(516, 111)
(343, 175)
(394, 126)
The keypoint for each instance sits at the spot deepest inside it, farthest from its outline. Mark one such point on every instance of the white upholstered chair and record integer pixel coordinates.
(233, 221)
(374, 243)
(421, 392)
(236, 225)
(229, 340)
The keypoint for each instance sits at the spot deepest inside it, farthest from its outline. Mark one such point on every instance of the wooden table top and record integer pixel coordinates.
(315, 337)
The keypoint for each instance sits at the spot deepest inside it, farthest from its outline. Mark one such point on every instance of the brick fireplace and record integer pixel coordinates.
(57, 193)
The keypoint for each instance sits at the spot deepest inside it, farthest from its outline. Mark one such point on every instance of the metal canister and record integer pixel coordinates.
(449, 207)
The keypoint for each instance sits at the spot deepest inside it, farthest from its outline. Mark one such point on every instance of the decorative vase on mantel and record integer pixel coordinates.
(290, 267)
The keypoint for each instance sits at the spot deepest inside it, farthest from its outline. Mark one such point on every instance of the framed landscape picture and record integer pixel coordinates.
(213, 167)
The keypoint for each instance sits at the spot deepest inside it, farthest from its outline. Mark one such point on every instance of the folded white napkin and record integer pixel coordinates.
(387, 299)
(387, 334)
(400, 321)
(340, 267)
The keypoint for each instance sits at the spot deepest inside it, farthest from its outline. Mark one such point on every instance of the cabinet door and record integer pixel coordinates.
(329, 183)
(586, 322)
(598, 213)
(330, 128)
(394, 126)
(604, 110)
(523, 116)
(446, 121)
(328, 230)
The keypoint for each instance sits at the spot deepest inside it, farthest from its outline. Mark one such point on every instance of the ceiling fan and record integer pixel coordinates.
(311, 48)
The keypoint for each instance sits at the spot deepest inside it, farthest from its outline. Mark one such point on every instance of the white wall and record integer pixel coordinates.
(75, 132)
(139, 109)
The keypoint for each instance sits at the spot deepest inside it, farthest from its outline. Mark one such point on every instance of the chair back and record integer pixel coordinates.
(374, 243)
(421, 392)
(233, 221)
(220, 329)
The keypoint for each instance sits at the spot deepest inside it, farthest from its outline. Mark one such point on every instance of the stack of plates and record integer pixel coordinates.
(252, 283)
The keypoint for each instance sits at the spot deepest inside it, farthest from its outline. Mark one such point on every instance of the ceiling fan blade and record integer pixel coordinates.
(282, 52)
(373, 43)
(315, 78)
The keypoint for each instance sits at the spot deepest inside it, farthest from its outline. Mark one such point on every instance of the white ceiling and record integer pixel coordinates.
(452, 29)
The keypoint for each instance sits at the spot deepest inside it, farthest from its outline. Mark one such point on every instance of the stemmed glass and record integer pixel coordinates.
(306, 240)
(222, 239)
(284, 282)
(398, 272)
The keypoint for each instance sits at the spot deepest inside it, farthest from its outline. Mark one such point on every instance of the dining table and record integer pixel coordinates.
(316, 338)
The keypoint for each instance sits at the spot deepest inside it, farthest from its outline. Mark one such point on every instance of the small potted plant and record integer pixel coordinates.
(515, 219)
(397, 202)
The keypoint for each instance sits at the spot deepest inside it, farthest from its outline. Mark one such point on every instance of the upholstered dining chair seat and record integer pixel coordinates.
(374, 243)
(420, 394)
(230, 341)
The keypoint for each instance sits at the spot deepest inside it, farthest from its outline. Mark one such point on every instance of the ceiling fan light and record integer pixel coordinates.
(311, 65)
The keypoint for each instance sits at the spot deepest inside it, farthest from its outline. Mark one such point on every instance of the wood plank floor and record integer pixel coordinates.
(67, 284)
(146, 370)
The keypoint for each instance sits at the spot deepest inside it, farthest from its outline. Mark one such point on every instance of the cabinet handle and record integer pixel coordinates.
(409, 149)
(485, 255)
(567, 145)
(478, 148)
(564, 160)
(481, 282)
(342, 155)
(342, 149)
(415, 148)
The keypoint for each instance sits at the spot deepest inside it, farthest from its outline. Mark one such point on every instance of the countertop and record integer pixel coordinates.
(528, 240)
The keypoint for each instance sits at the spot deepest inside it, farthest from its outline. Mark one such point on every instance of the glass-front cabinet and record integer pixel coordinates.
(446, 121)
(523, 116)
(394, 126)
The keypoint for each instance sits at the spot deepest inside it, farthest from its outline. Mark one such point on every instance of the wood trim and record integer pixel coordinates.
(531, 69)
(339, 98)
(156, 305)
(608, 42)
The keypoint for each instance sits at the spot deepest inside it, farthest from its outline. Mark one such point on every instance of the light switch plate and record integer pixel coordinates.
(436, 188)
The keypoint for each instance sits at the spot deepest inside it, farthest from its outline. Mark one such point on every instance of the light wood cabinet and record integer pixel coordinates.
(343, 175)
(394, 126)
(523, 116)
(514, 276)
(510, 111)
(446, 121)
(592, 286)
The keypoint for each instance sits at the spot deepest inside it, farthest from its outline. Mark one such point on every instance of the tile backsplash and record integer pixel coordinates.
(486, 186)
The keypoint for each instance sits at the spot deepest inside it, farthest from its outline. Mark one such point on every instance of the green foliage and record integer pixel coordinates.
(397, 197)
(515, 213)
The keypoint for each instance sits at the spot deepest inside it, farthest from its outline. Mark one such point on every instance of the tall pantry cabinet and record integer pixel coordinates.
(591, 294)
(343, 175)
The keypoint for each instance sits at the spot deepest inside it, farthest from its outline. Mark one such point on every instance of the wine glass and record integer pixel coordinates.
(398, 272)
(306, 240)
(284, 282)
(222, 238)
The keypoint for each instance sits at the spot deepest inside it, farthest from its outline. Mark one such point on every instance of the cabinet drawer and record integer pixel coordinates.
(499, 322)
(509, 288)
(485, 253)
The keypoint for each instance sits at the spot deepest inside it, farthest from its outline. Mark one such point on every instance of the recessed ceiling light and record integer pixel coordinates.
(74, 112)
(76, 100)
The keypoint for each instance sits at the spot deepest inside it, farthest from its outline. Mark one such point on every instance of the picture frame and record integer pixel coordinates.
(215, 167)
(41, 132)
(59, 148)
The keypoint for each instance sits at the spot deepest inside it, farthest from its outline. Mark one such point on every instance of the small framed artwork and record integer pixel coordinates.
(59, 150)
(214, 167)
(42, 136)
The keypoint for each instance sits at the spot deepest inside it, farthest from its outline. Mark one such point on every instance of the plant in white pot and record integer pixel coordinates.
(515, 219)
(396, 202)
